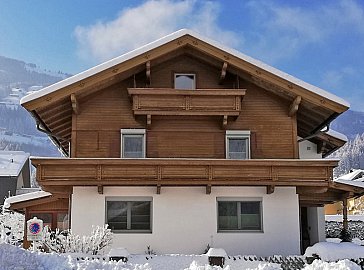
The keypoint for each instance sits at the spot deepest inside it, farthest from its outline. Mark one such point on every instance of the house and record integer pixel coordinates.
(355, 205)
(14, 173)
(185, 143)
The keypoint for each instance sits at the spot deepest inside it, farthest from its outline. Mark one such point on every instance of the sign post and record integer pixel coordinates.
(34, 230)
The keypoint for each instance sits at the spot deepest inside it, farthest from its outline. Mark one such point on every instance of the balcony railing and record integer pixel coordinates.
(166, 101)
(58, 172)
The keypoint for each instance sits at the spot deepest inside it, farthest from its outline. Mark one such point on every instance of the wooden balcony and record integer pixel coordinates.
(57, 174)
(166, 101)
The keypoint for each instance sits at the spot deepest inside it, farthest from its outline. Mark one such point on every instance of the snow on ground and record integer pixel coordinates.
(340, 217)
(14, 258)
(329, 251)
(340, 265)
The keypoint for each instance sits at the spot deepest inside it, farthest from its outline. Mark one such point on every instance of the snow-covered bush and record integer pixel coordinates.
(67, 242)
(11, 228)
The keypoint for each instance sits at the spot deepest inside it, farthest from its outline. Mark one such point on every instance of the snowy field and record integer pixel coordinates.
(15, 258)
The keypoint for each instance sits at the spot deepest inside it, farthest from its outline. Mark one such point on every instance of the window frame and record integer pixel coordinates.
(237, 134)
(131, 199)
(184, 74)
(239, 200)
(132, 132)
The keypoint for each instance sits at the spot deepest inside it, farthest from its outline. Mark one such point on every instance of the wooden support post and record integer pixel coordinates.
(147, 72)
(223, 72)
(100, 189)
(75, 106)
(345, 214)
(270, 189)
(294, 106)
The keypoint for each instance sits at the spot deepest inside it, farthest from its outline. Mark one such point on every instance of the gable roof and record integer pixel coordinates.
(164, 40)
(12, 162)
(52, 106)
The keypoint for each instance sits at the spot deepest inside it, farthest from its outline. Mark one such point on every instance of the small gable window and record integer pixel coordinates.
(185, 81)
(133, 143)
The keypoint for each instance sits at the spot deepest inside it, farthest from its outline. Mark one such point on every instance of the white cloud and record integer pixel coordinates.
(286, 29)
(140, 25)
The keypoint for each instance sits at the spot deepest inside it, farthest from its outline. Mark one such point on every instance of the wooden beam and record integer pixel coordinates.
(270, 189)
(159, 189)
(345, 214)
(75, 106)
(321, 147)
(147, 72)
(294, 106)
(311, 190)
(100, 189)
(223, 72)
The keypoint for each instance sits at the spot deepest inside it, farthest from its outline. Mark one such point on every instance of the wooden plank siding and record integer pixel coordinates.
(58, 172)
(96, 129)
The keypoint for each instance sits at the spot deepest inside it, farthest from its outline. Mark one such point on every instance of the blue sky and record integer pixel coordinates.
(321, 42)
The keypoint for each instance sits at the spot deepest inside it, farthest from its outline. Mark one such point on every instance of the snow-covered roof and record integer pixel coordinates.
(25, 197)
(337, 135)
(169, 38)
(350, 182)
(351, 176)
(12, 162)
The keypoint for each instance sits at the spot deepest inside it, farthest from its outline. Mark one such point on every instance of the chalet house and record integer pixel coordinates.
(185, 143)
(14, 173)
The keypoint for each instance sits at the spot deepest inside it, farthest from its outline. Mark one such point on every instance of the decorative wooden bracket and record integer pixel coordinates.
(149, 120)
(208, 189)
(75, 106)
(270, 189)
(159, 189)
(223, 72)
(294, 106)
(224, 121)
(147, 72)
(100, 189)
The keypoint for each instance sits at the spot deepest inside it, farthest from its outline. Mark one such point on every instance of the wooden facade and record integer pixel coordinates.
(185, 129)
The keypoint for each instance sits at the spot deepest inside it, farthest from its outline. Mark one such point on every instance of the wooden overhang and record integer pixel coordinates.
(53, 106)
(327, 144)
(60, 175)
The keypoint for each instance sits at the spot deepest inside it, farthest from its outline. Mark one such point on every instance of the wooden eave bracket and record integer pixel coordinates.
(147, 72)
(100, 189)
(74, 102)
(223, 72)
(294, 106)
(270, 189)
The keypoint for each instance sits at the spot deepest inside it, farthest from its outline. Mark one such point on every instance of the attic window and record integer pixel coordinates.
(185, 81)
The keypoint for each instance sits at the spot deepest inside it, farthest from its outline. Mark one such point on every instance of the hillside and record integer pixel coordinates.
(17, 128)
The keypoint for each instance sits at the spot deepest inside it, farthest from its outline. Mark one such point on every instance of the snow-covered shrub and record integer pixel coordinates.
(11, 228)
(67, 242)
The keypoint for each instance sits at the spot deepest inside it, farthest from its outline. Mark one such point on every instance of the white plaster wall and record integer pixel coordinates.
(316, 223)
(308, 150)
(184, 220)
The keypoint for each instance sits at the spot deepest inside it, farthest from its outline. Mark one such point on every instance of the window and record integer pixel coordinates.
(133, 143)
(53, 220)
(126, 215)
(234, 215)
(184, 81)
(237, 144)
